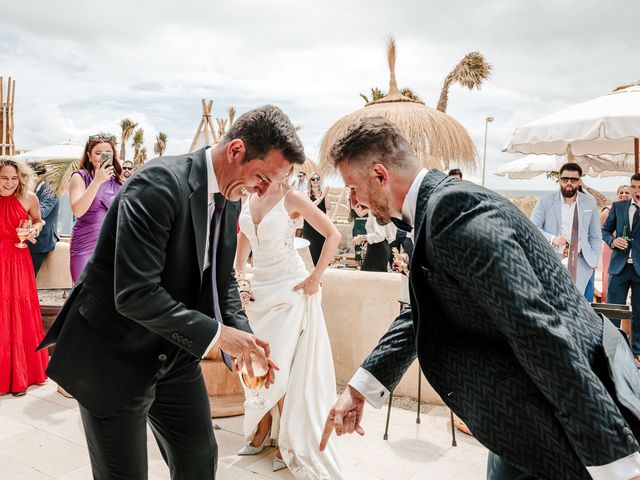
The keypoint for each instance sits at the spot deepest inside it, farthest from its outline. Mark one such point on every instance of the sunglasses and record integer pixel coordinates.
(573, 180)
(315, 179)
(127, 168)
(97, 138)
(300, 176)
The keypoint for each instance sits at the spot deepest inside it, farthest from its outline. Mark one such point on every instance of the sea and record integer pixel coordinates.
(539, 193)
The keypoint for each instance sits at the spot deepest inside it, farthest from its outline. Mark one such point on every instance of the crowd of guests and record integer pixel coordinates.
(92, 189)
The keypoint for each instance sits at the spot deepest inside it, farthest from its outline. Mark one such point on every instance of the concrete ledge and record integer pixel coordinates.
(55, 272)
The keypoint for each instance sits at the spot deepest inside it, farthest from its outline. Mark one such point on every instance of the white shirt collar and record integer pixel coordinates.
(212, 181)
(411, 199)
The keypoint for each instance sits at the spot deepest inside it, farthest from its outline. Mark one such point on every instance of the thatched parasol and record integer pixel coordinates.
(308, 167)
(438, 139)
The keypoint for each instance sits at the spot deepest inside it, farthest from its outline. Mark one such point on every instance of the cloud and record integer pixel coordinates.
(79, 68)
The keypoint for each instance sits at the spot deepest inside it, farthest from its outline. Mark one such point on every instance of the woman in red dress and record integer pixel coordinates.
(20, 321)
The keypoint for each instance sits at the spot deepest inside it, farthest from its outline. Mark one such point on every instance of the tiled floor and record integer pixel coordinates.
(41, 438)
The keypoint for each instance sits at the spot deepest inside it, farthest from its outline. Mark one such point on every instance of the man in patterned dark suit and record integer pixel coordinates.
(500, 331)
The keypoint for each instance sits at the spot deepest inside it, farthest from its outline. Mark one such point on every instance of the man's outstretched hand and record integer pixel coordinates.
(345, 416)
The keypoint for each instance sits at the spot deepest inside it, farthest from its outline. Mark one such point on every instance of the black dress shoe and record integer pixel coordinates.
(18, 394)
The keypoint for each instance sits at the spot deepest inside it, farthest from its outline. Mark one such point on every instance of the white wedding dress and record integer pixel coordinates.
(293, 324)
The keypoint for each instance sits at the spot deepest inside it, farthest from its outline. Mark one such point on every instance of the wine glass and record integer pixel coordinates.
(23, 230)
(254, 384)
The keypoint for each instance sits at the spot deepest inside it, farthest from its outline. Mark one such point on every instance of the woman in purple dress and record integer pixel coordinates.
(92, 189)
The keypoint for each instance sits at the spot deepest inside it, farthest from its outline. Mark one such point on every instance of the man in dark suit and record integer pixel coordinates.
(49, 207)
(624, 268)
(159, 293)
(501, 332)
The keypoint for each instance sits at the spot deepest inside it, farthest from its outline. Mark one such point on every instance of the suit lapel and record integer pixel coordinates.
(198, 202)
(431, 180)
(558, 211)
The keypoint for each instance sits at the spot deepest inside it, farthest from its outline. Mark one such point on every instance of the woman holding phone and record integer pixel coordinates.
(92, 189)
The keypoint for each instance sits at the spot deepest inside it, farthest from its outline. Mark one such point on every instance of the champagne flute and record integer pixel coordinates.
(23, 230)
(254, 384)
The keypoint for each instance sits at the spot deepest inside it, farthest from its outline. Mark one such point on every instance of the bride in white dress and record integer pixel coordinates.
(287, 312)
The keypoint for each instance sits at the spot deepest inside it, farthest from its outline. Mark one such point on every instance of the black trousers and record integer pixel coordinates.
(176, 406)
(498, 469)
(617, 293)
(37, 259)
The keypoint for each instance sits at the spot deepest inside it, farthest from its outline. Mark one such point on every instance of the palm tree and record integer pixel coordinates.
(140, 158)
(470, 72)
(136, 142)
(127, 127)
(377, 94)
(161, 144)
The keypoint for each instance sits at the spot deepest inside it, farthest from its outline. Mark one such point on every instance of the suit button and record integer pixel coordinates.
(631, 439)
(162, 357)
(189, 344)
(185, 341)
(175, 336)
(426, 272)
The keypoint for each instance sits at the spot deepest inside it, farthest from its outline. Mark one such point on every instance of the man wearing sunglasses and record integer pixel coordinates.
(127, 169)
(570, 220)
(300, 182)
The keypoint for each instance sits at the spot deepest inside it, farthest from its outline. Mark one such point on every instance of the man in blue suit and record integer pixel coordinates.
(49, 206)
(554, 217)
(624, 268)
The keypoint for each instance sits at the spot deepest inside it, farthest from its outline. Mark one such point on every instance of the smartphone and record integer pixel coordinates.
(106, 158)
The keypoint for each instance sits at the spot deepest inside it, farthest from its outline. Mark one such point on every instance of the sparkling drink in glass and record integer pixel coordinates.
(254, 384)
(23, 230)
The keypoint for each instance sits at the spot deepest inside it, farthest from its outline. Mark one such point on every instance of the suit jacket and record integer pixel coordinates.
(616, 221)
(135, 302)
(547, 216)
(507, 341)
(49, 206)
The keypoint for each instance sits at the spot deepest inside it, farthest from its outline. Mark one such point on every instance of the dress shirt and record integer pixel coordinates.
(376, 393)
(212, 189)
(363, 381)
(377, 233)
(632, 210)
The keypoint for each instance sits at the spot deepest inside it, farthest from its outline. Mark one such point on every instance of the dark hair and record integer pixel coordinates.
(372, 135)
(264, 129)
(85, 161)
(571, 167)
(455, 171)
(636, 177)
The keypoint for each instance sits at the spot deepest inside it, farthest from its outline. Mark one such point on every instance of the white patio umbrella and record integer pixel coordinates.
(52, 152)
(531, 166)
(605, 125)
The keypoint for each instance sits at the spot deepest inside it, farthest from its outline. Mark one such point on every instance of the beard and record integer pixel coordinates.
(379, 205)
(568, 192)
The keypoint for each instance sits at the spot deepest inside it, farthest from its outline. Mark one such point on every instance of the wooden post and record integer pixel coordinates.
(2, 116)
(7, 144)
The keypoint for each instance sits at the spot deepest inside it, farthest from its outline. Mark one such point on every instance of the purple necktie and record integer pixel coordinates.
(214, 238)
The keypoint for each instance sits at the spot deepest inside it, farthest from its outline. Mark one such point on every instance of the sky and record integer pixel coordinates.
(81, 67)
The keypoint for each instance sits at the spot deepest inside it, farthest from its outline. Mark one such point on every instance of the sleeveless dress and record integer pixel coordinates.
(84, 235)
(293, 324)
(316, 239)
(20, 320)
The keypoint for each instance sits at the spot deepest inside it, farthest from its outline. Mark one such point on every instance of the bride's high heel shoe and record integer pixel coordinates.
(278, 464)
(249, 449)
